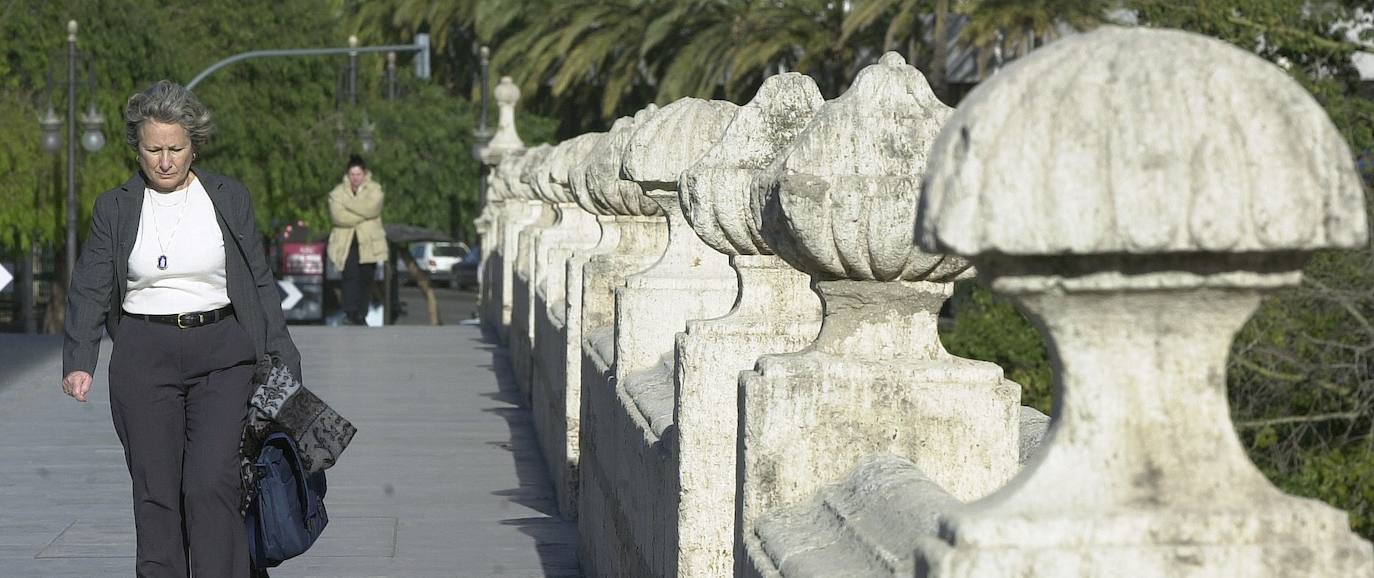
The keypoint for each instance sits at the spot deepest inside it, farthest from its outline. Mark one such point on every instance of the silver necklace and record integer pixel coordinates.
(157, 230)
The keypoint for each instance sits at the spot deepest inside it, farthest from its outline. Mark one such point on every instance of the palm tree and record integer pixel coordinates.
(902, 18)
(1019, 26)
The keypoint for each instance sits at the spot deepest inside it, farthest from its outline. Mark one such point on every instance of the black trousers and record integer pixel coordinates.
(179, 398)
(357, 282)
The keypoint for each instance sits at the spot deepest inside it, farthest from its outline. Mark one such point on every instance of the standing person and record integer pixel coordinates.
(357, 242)
(173, 269)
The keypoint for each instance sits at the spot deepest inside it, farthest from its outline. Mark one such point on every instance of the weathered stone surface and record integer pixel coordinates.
(635, 402)
(863, 525)
(506, 140)
(690, 280)
(774, 311)
(607, 191)
(852, 182)
(575, 230)
(1140, 260)
(531, 183)
(1183, 165)
(518, 212)
(634, 234)
(717, 195)
(841, 206)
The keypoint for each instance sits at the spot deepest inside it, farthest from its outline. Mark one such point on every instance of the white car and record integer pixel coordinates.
(436, 258)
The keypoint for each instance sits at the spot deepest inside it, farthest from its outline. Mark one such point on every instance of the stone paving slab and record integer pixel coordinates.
(443, 480)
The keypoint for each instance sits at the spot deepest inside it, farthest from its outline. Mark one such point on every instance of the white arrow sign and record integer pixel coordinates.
(5, 277)
(293, 295)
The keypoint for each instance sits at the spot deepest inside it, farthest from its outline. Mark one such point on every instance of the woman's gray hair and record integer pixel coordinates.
(169, 103)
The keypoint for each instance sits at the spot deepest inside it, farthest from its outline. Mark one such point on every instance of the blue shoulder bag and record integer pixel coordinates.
(287, 513)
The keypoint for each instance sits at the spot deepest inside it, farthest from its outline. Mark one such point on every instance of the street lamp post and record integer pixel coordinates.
(92, 140)
(480, 139)
(353, 70)
(391, 75)
(483, 134)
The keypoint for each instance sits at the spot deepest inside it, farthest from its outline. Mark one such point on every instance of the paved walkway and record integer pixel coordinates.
(443, 479)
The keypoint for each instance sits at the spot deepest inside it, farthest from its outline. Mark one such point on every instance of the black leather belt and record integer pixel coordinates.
(188, 320)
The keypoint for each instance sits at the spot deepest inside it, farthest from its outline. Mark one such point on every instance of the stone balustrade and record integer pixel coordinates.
(532, 187)
(724, 318)
(575, 231)
(492, 222)
(841, 206)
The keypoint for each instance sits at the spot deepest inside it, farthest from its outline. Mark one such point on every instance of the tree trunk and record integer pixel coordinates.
(422, 281)
(55, 314)
(938, 82)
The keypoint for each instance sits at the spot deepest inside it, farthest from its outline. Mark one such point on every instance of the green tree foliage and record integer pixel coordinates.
(278, 119)
(990, 328)
(588, 61)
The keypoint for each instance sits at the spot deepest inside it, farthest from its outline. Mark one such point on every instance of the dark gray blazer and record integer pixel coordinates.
(100, 280)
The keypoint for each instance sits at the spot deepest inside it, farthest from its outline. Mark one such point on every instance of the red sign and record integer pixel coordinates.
(302, 258)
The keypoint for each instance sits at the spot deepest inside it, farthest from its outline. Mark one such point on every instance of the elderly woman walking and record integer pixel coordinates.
(173, 269)
(358, 241)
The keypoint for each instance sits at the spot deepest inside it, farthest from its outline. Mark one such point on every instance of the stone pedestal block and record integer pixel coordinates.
(1143, 470)
(876, 380)
(840, 204)
(690, 281)
(776, 311)
(519, 214)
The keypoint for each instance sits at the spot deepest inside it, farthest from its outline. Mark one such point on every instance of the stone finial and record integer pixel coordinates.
(1208, 149)
(674, 138)
(497, 189)
(505, 177)
(506, 138)
(842, 199)
(1136, 192)
(564, 158)
(716, 193)
(541, 177)
(530, 165)
(607, 192)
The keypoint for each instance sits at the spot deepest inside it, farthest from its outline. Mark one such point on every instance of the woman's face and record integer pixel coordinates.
(356, 176)
(164, 153)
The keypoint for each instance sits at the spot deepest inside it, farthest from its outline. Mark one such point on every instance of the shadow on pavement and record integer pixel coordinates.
(25, 352)
(555, 538)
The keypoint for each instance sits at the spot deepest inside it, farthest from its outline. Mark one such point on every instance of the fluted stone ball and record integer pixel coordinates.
(673, 139)
(841, 201)
(541, 176)
(508, 172)
(717, 191)
(610, 194)
(565, 159)
(497, 190)
(532, 169)
(1140, 141)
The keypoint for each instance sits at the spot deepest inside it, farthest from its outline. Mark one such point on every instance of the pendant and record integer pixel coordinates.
(162, 262)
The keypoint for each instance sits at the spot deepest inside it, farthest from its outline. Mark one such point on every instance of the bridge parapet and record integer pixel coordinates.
(705, 415)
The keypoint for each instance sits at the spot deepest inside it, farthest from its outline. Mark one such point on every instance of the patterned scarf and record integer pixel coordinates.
(281, 404)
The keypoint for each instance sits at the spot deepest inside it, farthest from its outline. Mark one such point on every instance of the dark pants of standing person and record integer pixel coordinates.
(357, 284)
(179, 398)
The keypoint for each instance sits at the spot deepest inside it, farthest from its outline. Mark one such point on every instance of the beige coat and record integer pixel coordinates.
(357, 213)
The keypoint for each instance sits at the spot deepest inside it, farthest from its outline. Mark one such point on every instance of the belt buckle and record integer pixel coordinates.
(183, 319)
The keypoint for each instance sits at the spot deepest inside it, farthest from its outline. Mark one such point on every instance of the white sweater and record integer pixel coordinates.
(194, 277)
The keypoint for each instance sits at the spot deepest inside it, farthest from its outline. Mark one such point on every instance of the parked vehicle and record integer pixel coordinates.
(463, 274)
(435, 258)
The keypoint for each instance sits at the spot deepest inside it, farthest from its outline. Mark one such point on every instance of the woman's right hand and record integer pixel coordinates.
(77, 384)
